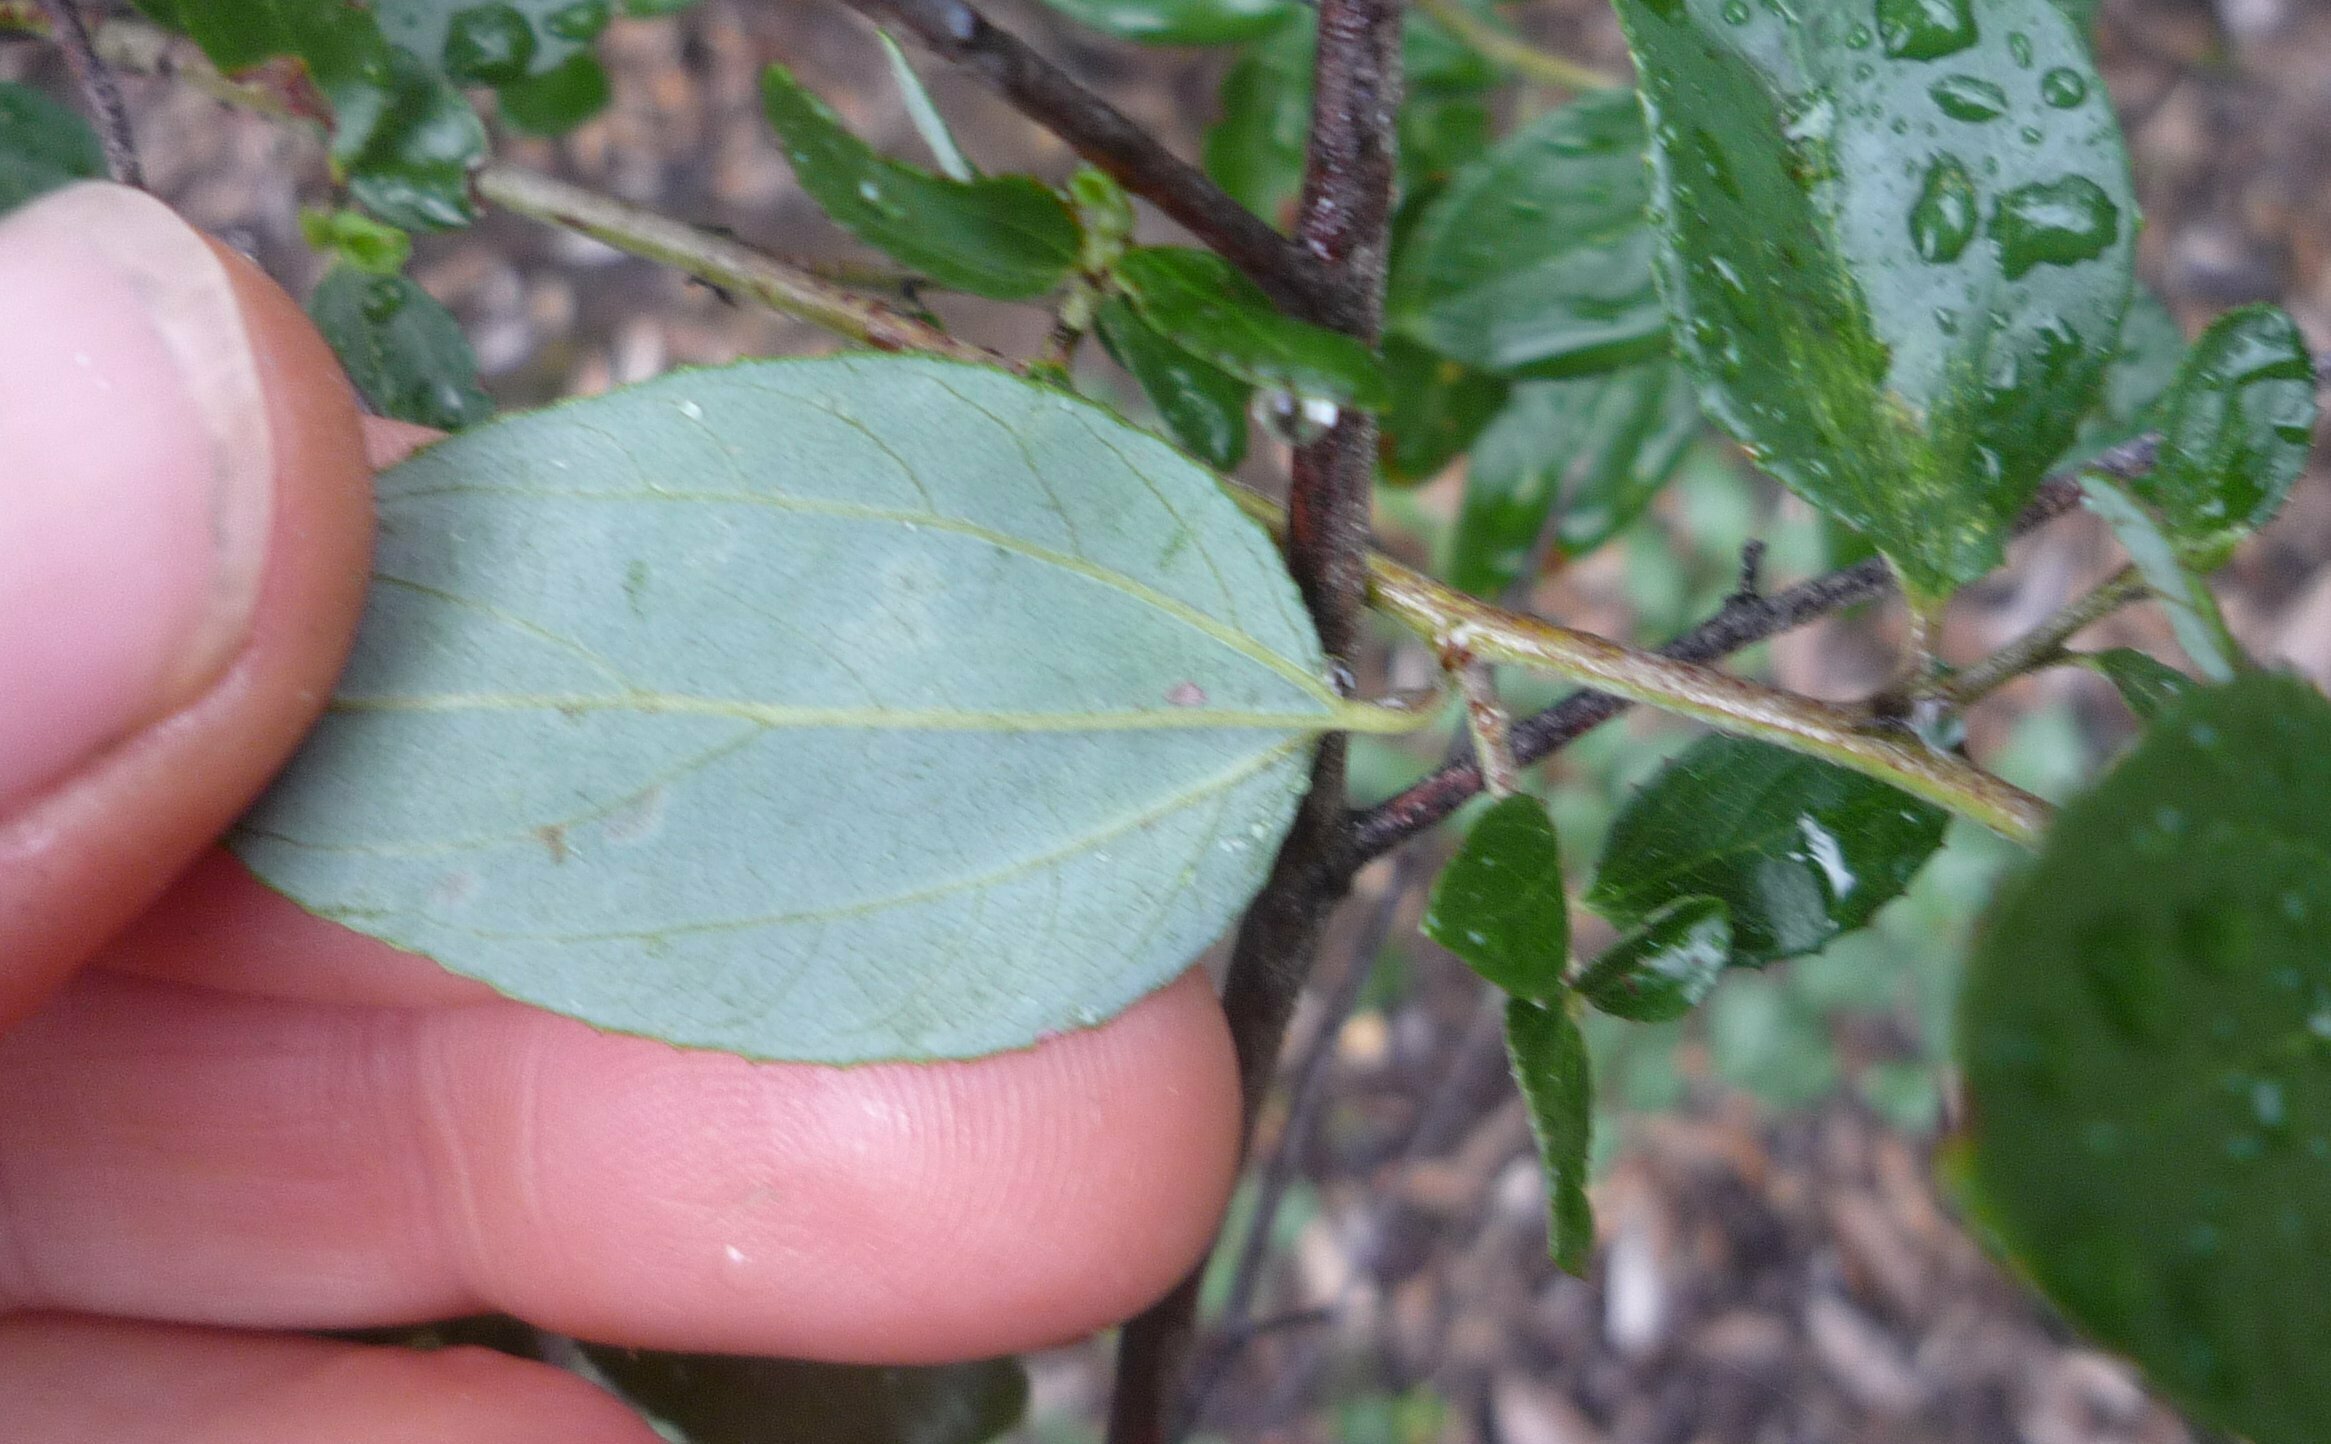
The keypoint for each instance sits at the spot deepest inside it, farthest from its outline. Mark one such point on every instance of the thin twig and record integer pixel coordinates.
(1103, 135)
(99, 94)
(1485, 38)
(1344, 227)
(2043, 645)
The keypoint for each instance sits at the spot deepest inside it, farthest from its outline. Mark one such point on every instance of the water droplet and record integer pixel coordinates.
(691, 410)
(1858, 38)
(2019, 45)
(2063, 88)
(1946, 321)
(2268, 1105)
(1967, 97)
(1942, 219)
(1735, 12)
(2054, 223)
(488, 45)
(869, 192)
(2030, 134)
(582, 20)
(383, 299)
(1925, 29)
(1297, 420)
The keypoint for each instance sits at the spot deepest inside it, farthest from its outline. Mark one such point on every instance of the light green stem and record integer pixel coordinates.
(2043, 645)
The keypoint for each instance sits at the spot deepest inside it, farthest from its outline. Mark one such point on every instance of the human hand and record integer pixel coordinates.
(222, 1120)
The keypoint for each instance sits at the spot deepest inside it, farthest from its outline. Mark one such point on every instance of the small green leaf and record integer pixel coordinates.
(1205, 408)
(724, 1399)
(556, 101)
(2150, 686)
(1009, 237)
(838, 710)
(924, 112)
(1597, 448)
(2235, 428)
(1663, 968)
(2146, 1038)
(413, 169)
(1438, 408)
(1499, 903)
(1254, 150)
(493, 43)
(1901, 309)
(1205, 306)
(404, 351)
(2184, 594)
(1798, 849)
(43, 145)
(1179, 22)
(357, 239)
(2143, 366)
(1536, 259)
(1550, 1065)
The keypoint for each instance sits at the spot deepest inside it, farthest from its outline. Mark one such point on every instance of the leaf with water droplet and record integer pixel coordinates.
(1205, 306)
(2182, 591)
(2150, 992)
(838, 709)
(1203, 406)
(1535, 260)
(1849, 290)
(405, 351)
(2144, 363)
(1591, 452)
(1551, 1067)
(1798, 850)
(1664, 967)
(2149, 685)
(2236, 426)
(1500, 905)
(43, 145)
(1010, 237)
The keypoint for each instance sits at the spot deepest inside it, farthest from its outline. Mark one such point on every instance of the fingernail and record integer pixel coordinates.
(136, 476)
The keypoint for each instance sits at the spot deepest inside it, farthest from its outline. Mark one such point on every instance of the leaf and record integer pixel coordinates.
(413, 169)
(722, 1399)
(2146, 1037)
(2193, 612)
(497, 42)
(1536, 259)
(2143, 365)
(1798, 849)
(1008, 237)
(1663, 968)
(1179, 22)
(1203, 304)
(2235, 429)
(1438, 408)
(1205, 408)
(557, 101)
(1595, 449)
(924, 112)
(357, 239)
(1499, 903)
(43, 145)
(1903, 327)
(404, 350)
(835, 710)
(1550, 1065)
(2148, 685)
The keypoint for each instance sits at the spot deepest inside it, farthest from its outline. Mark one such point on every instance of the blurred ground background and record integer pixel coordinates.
(1778, 1265)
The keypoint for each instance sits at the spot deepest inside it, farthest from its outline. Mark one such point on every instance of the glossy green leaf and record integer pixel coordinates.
(1179, 22)
(1536, 258)
(2143, 366)
(1204, 305)
(43, 145)
(838, 709)
(496, 42)
(1205, 408)
(1438, 409)
(1499, 903)
(1009, 237)
(1896, 257)
(413, 169)
(357, 239)
(1550, 1065)
(404, 351)
(723, 1399)
(1594, 450)
(1798, 850)
(2183, 593)
(1664, 967)
(557, 101)
(2235, 428)
(2146, 1038)
(915, 97)
(2150, 686)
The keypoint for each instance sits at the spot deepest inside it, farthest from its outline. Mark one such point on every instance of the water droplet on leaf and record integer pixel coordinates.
(1942, 219)
(2054, 223)
(1968, 97)
(2063, 88)
(582, 20)
(488, 45)
(1925, 29)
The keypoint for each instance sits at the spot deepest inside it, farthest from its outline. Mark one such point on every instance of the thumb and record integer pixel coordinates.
(184, 521)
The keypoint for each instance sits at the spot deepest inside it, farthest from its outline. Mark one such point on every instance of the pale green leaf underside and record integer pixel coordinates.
(832, 710)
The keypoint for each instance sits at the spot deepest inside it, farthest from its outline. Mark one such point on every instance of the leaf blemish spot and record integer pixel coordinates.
(1186, 693)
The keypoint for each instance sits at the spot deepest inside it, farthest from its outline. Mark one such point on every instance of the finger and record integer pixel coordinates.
(67, 1380)
(184, 524)
(171, 1153)
(388, 441)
